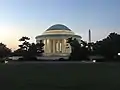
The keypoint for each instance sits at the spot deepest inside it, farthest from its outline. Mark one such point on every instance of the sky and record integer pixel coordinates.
(32, 17)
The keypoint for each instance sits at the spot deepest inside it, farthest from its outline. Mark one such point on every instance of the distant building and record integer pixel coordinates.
(54, 39)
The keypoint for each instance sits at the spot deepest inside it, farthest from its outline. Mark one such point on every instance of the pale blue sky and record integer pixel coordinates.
(32, 17)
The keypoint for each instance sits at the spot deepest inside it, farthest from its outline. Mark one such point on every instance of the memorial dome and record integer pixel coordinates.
(58, 27)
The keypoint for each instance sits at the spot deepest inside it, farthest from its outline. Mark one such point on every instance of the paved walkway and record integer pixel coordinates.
(48, 62)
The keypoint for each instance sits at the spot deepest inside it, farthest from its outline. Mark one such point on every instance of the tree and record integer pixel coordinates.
(29, 50)
(4, 51)
(19, 52)
(79, 51)
(36, 49)
(39, 47)
(108, 47)
(74, 48)
(25, 45)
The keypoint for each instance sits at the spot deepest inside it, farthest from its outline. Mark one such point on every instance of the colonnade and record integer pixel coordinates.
(55, 46)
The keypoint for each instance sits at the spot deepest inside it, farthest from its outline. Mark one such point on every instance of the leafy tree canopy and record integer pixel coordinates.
(79, 51)
(28, 50)
(109, 46)
(4, 51)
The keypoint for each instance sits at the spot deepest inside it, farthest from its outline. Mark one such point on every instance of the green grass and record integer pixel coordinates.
(60, 76)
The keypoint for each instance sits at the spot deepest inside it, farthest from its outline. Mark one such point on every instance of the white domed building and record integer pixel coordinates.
(54, 39)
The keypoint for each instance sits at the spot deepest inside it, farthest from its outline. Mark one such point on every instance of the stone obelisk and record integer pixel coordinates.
(89, 36)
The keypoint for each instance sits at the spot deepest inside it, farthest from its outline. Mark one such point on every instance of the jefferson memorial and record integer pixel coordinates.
(55, 40)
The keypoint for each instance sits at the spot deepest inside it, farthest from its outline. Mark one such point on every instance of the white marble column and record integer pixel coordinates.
(53, 46)
(45, 45)
(49, 46)
(65, 43)
(58, 46)
(63, 46)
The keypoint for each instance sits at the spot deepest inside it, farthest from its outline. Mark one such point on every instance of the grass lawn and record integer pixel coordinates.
(60, 76)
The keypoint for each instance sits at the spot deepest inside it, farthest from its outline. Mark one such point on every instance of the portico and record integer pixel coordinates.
(55, 45)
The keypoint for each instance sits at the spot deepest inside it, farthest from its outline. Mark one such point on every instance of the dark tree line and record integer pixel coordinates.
(4, 51)
(28, 50)
(79, 51)
(108, 48)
